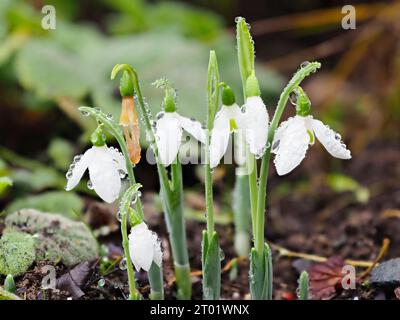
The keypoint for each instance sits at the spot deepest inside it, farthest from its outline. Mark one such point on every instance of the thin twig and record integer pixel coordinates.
(382, 253)
(312, 257)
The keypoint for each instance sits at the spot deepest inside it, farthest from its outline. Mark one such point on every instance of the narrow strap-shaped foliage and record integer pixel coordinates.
(211, 267)
(211, 262)
(303, 289)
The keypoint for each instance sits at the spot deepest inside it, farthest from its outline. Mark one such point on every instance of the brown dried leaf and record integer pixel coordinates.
(325, 277)
(75, 279)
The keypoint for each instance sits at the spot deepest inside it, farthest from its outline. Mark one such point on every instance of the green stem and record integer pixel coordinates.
(177, 230)
(133, 293)
(156, 282)
(209, 190)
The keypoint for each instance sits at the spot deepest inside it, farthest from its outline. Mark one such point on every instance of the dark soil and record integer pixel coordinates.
(315, 221)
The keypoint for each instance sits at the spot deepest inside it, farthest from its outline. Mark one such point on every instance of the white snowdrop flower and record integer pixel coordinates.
(250, 123)
(169, 128)
(293, 137)
(255, 125)
(228, 119)
(144, 247)
(106, 166)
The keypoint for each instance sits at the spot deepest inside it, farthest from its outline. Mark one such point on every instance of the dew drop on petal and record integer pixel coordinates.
(101, 282)
(122, 174)
(338, 136)
(90, 185)
(275, 145)
(109, 116)
(160, 115)
(84, 113)
(122, 264)
(68, 174)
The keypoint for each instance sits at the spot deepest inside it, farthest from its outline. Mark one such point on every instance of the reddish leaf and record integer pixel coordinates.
(325, 278)
(397, 293)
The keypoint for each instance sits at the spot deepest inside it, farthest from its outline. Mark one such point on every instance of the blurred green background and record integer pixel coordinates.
(46, 74)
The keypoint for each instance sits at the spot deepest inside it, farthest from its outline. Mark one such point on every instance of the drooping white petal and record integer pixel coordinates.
(256, 125)
(168, 137)
(240, 147)
(104, 174)
(330, 140)
(193, 127)
(118, 159)
(141, 247)
(292, 145)
(78, 168)
(157, 258)
(219, 136)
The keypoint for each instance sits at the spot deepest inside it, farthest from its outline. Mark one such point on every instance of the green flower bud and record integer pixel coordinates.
(303, 103)
(252, 87)
(228, 97)
(98, 138)
(169, 100)
(126, 85)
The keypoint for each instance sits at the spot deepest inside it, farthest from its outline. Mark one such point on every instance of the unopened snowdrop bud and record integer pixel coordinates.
(293, 137)
(144, 247)
(256, 118)
(169, 129)
(106, 167)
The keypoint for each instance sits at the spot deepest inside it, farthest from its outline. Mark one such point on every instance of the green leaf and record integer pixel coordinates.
(261, 277)
(38, 179)
(5, 295)
(212, 89)
(342, 183)
(174, 17)
(303, 286)
(47, 68)
(62, 202)
(17, 252)
(241, 214)
(60, 151)
(9, 284)
(4, 183)
(211, 267)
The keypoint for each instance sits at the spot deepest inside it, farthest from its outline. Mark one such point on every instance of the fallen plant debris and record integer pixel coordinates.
(325, 278)
(75, 279)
